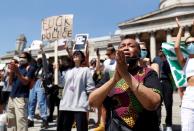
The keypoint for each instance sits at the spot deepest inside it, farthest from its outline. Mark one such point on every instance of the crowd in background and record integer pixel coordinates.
(127, 89)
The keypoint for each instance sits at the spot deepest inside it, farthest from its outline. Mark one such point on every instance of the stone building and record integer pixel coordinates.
(153, 29)
(158, 26)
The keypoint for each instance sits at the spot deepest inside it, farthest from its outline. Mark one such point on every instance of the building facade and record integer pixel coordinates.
(153, 29)
(160, 26)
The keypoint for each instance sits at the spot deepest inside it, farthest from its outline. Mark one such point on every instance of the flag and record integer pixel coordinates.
(176, 69)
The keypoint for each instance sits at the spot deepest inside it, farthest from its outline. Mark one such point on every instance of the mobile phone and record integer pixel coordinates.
(80, 42)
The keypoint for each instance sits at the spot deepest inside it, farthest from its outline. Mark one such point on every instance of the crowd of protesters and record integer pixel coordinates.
(127, 89)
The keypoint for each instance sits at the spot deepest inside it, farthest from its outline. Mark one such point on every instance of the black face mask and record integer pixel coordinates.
(132, 60)
(39, 65)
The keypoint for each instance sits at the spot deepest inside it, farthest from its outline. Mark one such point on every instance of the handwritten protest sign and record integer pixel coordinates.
(57, 27)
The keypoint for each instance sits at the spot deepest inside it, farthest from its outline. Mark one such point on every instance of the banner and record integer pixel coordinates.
(176, 69)
(57, 27)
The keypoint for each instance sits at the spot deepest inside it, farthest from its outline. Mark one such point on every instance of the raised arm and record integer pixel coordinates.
(44, 61)
(87, 54)
(69, 51)
(177, 48)
(98, 60)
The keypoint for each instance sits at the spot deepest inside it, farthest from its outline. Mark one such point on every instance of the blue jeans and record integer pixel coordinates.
(37, 93)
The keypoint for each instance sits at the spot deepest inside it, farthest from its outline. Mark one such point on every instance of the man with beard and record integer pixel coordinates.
(17, 104)
(130, 94)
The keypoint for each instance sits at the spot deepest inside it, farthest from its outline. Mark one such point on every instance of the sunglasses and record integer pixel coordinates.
(189, 42)
(144, 49)
(23, 57)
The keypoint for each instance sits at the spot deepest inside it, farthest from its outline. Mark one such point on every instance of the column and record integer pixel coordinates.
(168, 35)
(152, 45)
(187, 33)
(137, 39)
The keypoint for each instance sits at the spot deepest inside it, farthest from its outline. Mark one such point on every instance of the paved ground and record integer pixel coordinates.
(176, 118)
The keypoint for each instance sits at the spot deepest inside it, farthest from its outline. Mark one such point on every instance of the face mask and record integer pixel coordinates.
(39, 65)
(190, 48)
(23, 61)
(131, 60)
(112, 62)
(143, 54)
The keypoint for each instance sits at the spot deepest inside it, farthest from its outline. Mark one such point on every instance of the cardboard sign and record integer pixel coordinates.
(57, 27)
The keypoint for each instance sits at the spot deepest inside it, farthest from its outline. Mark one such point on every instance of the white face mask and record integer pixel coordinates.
(23, 61)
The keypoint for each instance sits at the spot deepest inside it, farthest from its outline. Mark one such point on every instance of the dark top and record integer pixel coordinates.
(19, 89)
(97, 76)
(144, 120)
(164, 71)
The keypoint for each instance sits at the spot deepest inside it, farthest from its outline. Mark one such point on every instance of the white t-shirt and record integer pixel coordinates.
(3, 119)
(6, 86)
(77, 83)
(109, 65)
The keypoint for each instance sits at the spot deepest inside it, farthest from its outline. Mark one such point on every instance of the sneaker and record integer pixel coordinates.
(44, 124)
(168, 128)
(30, 123)
(74, 125)
(50, 119)
(100, 127)
(160, 128)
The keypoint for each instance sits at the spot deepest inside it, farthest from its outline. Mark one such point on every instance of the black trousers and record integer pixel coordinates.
(53, 101)
(66, 119)
(5, 97)
(167, 93)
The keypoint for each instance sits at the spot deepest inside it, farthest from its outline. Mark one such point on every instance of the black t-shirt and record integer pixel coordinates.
(164, 67)
(146, 120)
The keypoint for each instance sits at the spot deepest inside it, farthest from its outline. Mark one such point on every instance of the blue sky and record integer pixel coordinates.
(96, 17)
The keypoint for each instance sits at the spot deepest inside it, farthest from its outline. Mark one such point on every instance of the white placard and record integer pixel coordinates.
(80, 41)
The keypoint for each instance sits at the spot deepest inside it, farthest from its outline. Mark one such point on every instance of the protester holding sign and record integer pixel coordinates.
(78, 83)
(187, 108)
